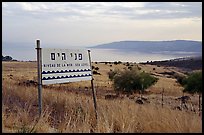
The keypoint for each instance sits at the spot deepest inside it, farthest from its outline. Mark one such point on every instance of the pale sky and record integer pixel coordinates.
(92, 23)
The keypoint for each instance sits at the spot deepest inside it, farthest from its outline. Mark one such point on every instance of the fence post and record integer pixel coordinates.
(199, 104)
(39, 65)
(182, 100)
(162, 97)
(93, 90)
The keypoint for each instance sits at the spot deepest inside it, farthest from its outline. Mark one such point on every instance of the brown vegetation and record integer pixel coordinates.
(69, 107)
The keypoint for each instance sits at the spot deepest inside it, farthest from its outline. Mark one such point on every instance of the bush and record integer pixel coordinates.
(96, 68)
(96, 73)
(119, 62)
(112, 73)
(127, 64)
(132, 80)
(193, 83)
(92, 67)
(6, 58)
(130, 67)
(139, 68)
(115, 62)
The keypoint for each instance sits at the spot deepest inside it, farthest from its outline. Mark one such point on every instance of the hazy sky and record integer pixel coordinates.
(91, 23)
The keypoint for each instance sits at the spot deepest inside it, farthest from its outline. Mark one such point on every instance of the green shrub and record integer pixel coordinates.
(193, 83)
(131, 80)
(147, 80)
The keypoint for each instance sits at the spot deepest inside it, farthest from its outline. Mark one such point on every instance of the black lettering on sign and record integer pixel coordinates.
(84, 64)
(58, 54)
(63, 56)
(80, 56)
(52, 56)
(75, 56)
(77, 64)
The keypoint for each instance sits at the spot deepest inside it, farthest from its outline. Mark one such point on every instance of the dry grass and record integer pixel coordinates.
(65, 111)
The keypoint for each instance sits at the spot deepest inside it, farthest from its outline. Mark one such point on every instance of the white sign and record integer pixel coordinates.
(65, 65)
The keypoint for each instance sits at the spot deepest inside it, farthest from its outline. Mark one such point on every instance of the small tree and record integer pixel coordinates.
(193, 83)
(132, 80)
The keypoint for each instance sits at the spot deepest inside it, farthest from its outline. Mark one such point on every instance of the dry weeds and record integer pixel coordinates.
(67, 110)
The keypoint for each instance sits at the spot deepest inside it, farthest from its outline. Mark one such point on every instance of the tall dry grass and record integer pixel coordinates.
(68, 112)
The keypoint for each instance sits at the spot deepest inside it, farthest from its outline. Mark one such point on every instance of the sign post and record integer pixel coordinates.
(39, 65)
(93, 90)
(62, 66)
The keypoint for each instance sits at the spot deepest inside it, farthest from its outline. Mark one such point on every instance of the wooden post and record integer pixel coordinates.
(182, 98)
(93, 90)
(142, 89)
(39, 64)
(199, 104)
(162, 97)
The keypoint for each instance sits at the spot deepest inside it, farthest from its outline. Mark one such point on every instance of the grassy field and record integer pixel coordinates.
(68, 108)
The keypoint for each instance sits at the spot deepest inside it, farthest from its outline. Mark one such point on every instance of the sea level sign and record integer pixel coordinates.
(65, 65)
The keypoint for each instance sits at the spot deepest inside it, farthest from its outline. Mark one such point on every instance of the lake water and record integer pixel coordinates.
(102, 55)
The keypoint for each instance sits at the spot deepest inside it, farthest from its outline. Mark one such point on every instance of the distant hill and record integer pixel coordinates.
(187, 64)
(155, 46)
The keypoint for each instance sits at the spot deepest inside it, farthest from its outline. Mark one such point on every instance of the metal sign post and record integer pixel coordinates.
(93, 90)
(39, 64)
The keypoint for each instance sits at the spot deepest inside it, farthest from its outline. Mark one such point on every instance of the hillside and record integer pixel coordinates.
(178, 46)
(185, 64)
(68, 107)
